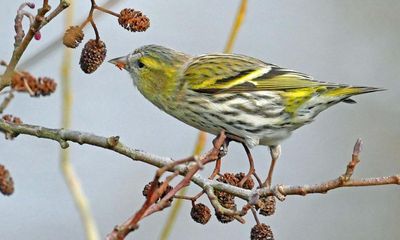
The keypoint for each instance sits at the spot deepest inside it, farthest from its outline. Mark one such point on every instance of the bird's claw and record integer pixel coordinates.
(223, 149)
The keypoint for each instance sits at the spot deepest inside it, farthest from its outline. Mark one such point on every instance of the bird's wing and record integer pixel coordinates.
(230, 73)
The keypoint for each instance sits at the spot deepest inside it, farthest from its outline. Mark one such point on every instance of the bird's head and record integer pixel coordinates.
(153, 69)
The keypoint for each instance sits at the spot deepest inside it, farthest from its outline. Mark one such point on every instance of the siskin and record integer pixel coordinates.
(255, 102)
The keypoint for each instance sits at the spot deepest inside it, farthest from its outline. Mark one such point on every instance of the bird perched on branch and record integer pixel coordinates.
(254, 102)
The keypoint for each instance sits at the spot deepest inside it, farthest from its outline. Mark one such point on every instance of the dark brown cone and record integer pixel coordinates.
(73, 36)
(167, 190)
(7, 118)
(266, 205)
(261, 232)
(229, 178)
(248, 184)
(24, 80)
(11, 119)
(147, 188)
(223, 197)
(47, 86)
(6, 181)
(92, 56)
(133, 21)
(200, 213)
(224, 218)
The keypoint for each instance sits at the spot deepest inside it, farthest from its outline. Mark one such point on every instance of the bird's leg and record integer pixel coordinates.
(275, 152)
(251, 162)
(260, 183)
(220, 136)
(222, 147)
(222, 152)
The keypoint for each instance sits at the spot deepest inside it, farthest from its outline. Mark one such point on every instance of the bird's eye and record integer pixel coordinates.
(140, 64)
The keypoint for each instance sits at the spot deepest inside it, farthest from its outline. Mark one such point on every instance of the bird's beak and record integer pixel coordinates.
(120, 62)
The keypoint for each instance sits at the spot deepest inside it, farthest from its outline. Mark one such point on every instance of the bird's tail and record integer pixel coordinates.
(345, 92)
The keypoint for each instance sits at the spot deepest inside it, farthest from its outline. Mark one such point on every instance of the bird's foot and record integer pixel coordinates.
(223, 150)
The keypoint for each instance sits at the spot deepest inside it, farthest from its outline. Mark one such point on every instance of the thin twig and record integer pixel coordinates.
(217, 169)
(91, 20)
(183, 197)
(6, 101)
(105, 10)
(60, 7)
(354, 161)
(254, 212)
(28, 88)
(259, 181)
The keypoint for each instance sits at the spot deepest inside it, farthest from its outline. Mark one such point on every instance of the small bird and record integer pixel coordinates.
(257, 103)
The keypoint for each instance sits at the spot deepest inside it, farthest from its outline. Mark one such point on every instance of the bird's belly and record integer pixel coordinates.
(257, 118)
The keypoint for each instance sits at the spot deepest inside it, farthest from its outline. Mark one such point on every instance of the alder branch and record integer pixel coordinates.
(64, 136)
(189, 168)
(344, 180)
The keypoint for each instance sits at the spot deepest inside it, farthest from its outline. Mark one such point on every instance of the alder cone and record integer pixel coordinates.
(200, 213)
(261, 232)
(73, 36)
(93, 55)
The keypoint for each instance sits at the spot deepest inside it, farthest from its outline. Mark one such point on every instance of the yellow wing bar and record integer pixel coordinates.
(236, 73)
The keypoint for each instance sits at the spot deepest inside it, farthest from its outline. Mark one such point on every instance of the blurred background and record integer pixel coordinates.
(354, 42)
